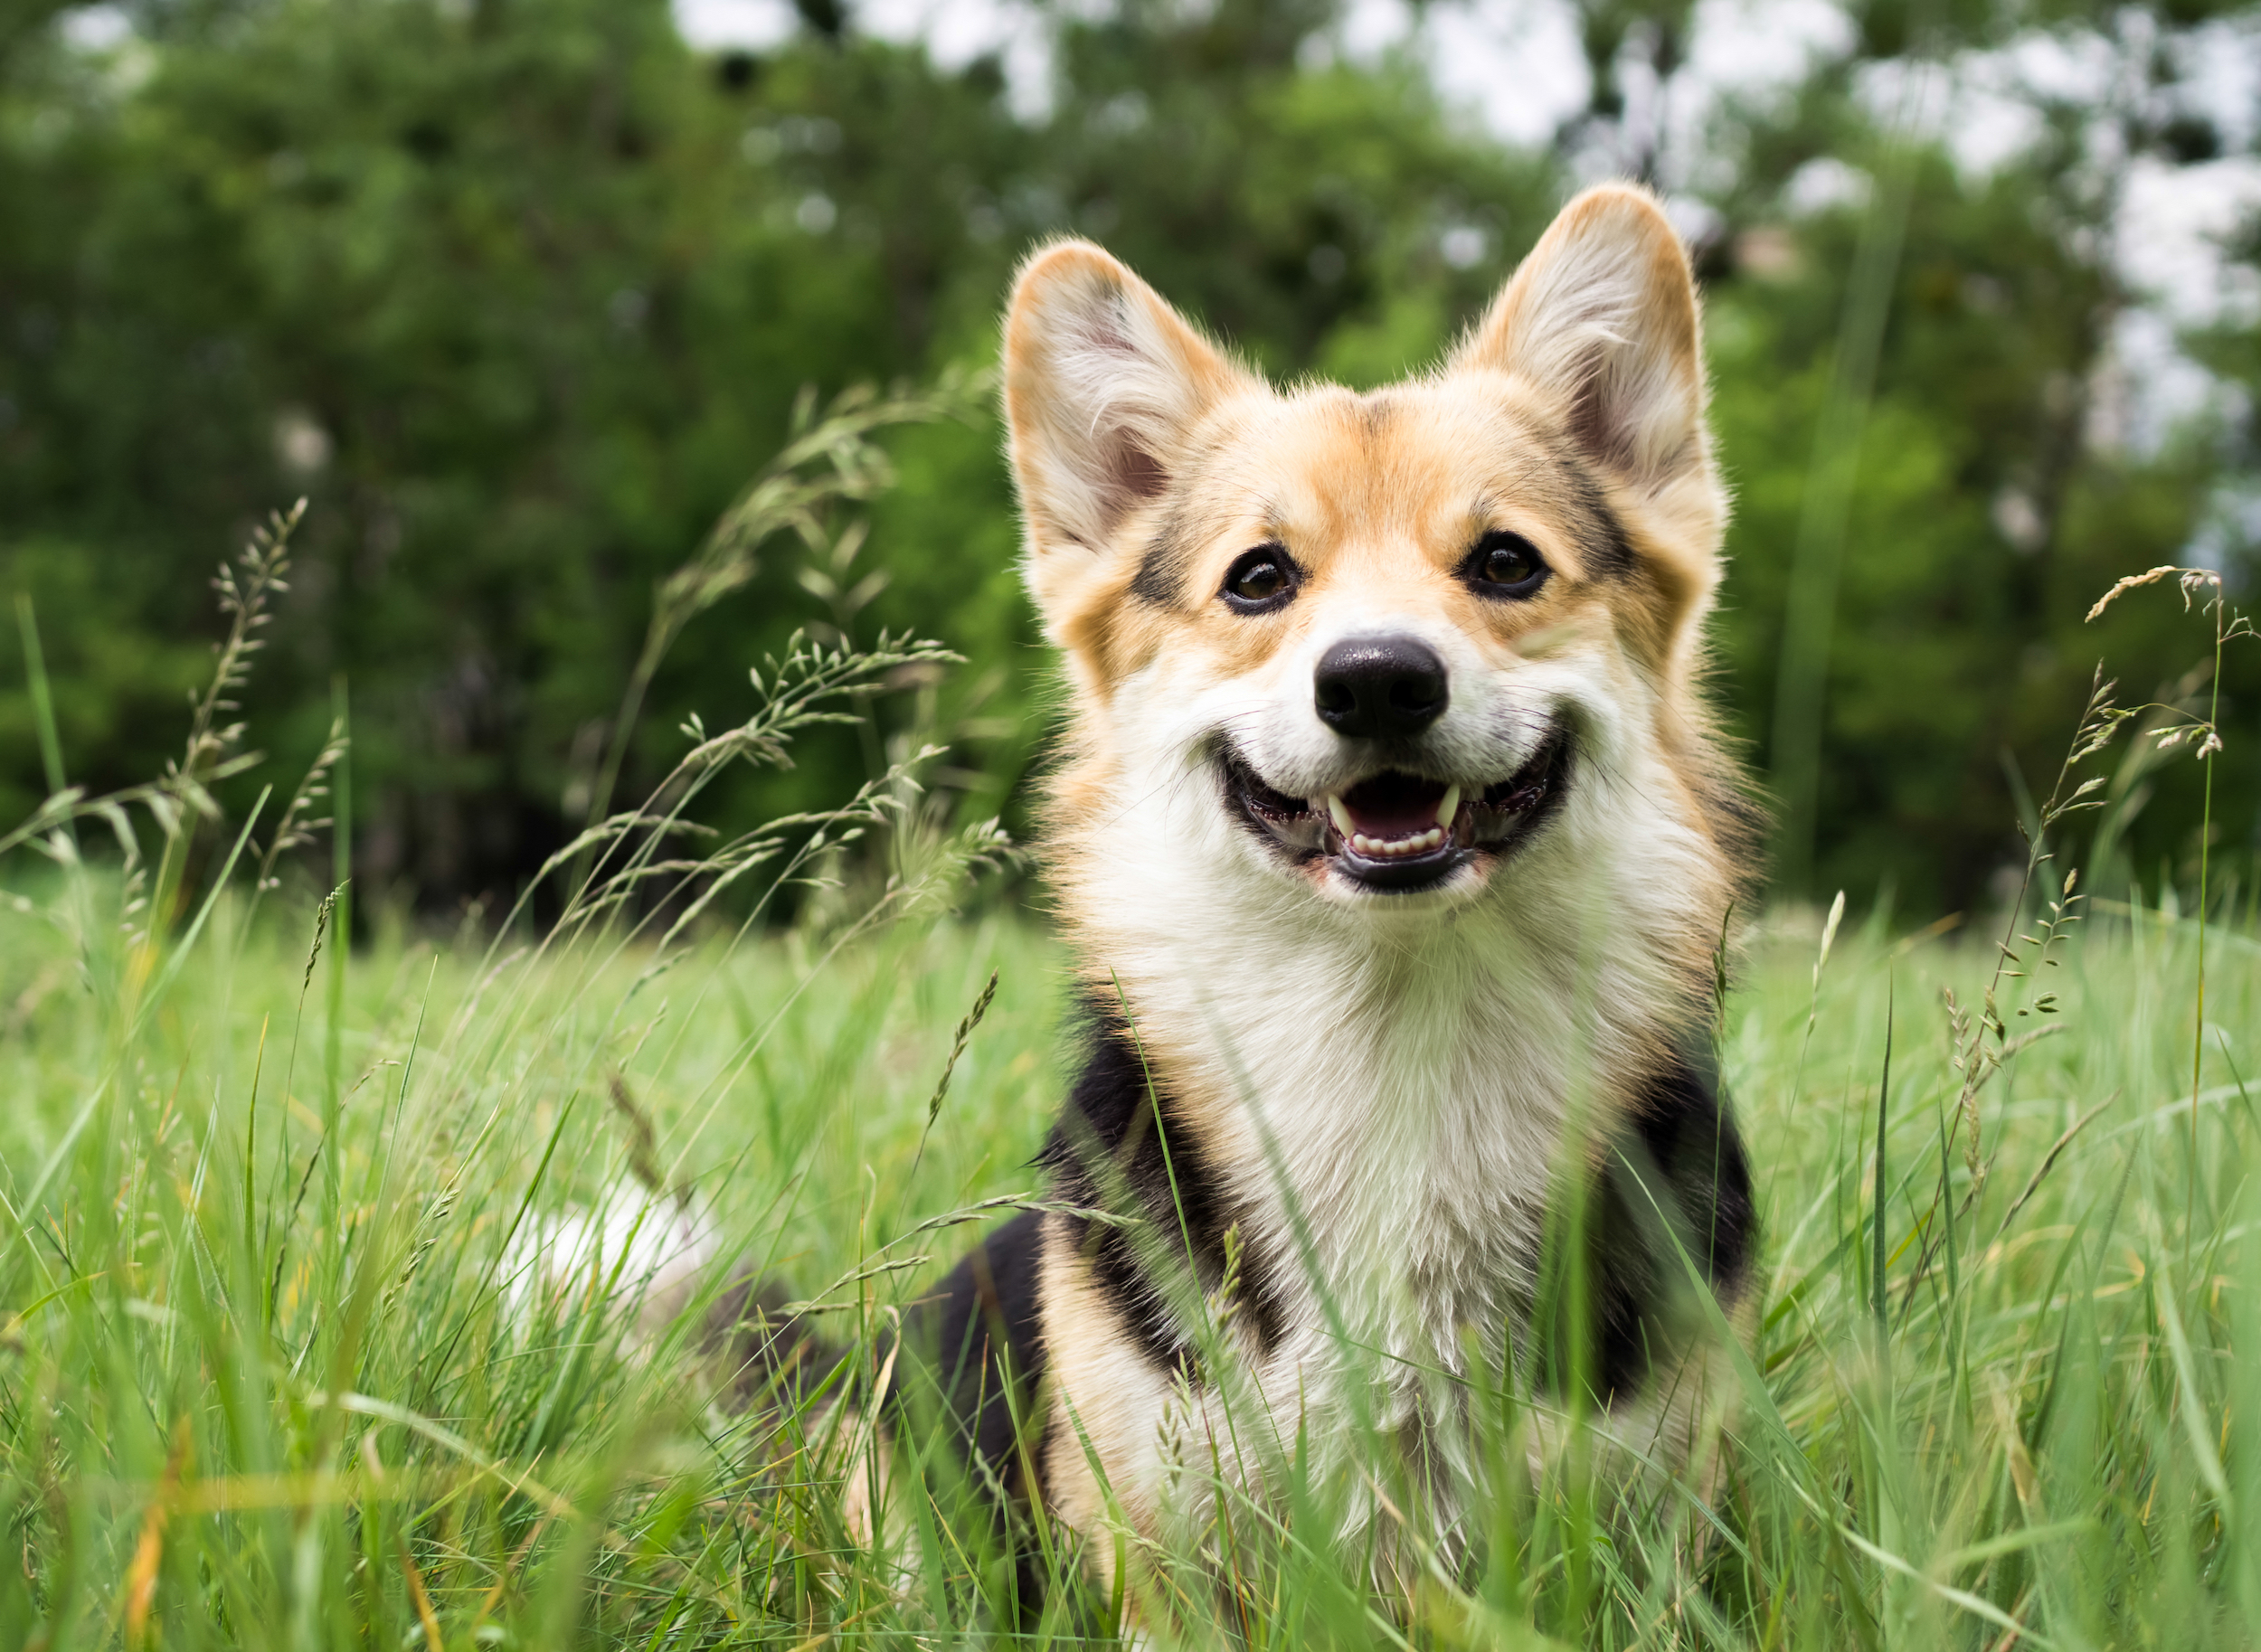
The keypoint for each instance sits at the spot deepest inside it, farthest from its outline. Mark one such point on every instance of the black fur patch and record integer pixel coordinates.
(976, 1334)
(1678, 1181)
(979, 1335)
(1160, 580)
(1161, 577)
(1119, 1132)
(1603, 546)
(777, 1358)
(968, 1377)
(976, 1364)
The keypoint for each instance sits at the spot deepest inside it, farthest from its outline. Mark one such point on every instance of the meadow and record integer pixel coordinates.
(278, 1367)
(328, 1313)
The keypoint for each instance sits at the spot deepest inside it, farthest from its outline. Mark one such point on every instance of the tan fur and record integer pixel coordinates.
(1148, 461)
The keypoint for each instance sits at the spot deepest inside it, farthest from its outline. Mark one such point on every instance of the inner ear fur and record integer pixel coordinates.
(1600, 323)
(1104, 384)
(1600, 320)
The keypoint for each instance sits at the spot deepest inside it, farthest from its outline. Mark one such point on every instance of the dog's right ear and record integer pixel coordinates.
(1104, 385)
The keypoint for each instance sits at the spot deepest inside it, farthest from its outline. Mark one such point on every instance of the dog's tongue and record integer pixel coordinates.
(1394, 804)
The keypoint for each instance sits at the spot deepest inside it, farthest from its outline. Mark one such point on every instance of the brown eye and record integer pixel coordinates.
(1506, 565)
(1259, 581)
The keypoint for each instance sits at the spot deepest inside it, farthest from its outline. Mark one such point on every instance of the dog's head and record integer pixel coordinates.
(1372, 647)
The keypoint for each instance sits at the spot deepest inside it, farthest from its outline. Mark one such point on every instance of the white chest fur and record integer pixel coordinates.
(1387, 1114)
(1387, 1089)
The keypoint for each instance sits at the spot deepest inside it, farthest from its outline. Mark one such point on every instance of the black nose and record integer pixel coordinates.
(1374, 687)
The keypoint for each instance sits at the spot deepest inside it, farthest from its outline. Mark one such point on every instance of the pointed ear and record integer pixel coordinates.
(1104, 385)
(1601, 319)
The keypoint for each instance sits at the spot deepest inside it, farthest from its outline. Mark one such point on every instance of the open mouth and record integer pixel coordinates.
(1396, 830)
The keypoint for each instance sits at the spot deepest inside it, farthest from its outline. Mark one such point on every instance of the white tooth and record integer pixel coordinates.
(1362, 843)
(1340, 815)
(1449, 808)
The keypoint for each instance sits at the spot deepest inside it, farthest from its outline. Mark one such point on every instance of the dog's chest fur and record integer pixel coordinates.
(1407, 1118)
(1380, 1123)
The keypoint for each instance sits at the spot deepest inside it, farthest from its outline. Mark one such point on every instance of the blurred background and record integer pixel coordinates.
(520, 293)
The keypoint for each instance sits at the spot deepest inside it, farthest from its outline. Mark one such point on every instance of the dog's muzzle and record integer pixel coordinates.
(1401, 830)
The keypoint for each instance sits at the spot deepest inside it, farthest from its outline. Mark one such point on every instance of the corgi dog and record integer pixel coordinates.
(1394, 847)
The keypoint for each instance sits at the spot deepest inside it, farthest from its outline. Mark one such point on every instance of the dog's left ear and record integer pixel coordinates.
(1600, 320)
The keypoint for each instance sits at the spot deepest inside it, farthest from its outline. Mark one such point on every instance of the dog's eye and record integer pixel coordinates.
(1506, 564)
(1259, 581)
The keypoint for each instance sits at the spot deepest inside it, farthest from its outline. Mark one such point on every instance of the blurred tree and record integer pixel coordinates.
(521, 290)
(521, 293)
(1993, 490)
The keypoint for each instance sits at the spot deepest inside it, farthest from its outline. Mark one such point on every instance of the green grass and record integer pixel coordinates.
(272, 1373)
(257, 1387)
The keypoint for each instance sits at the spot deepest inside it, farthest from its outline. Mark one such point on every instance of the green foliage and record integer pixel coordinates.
(273, 1370)
(313, 1334)
(519, 292)
(262, 1383)
(1985, 518)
